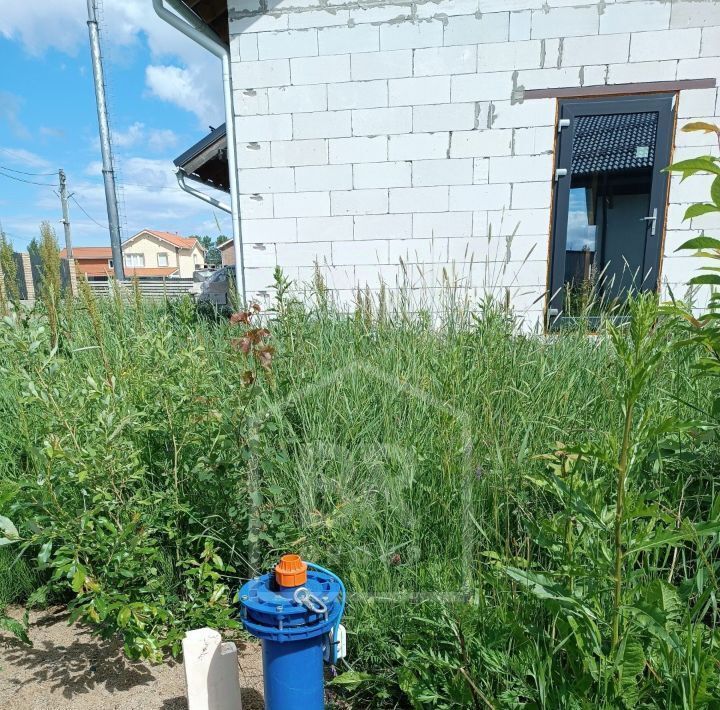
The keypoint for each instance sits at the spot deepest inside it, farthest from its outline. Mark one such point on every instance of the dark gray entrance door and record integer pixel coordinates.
(609, 206)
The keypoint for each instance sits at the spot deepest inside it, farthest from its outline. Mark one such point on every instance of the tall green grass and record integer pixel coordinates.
(401, 449)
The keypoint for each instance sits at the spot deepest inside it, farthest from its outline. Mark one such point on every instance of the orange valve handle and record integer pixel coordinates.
(291, 571)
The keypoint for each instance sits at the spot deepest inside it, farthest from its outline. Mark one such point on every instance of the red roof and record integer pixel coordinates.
(174, 239)
(89, 253)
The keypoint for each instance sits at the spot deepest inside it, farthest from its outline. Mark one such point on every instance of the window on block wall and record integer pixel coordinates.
(134, 261)
(609, 203)
(162, 258)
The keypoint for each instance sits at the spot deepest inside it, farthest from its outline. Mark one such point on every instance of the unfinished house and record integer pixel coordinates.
(506, 147)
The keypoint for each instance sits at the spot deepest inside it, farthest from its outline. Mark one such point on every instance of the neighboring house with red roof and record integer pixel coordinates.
(148, 253)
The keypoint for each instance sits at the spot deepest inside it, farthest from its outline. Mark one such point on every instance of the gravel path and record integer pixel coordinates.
(68, 668)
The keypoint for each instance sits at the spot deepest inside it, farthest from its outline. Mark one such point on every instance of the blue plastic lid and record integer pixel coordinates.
(271, 612)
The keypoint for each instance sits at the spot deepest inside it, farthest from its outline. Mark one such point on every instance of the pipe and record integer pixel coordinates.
(180, 174)
(105, 147)
(191, 26)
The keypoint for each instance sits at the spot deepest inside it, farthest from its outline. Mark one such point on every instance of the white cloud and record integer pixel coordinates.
(162, 139)
(20, 157)
(129, 137)
(40, 25)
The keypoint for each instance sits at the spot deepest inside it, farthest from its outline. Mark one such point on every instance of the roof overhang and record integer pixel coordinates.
(206, 161)
(214, 13)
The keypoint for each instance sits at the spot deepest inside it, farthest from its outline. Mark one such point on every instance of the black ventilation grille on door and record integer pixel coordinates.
(621, 141)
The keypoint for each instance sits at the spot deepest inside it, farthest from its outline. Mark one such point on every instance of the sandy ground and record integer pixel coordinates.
(69, 668)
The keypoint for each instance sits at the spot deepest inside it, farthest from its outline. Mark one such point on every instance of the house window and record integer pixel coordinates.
(162, 258)
(110, 263)
(609, 203)
(135, 261)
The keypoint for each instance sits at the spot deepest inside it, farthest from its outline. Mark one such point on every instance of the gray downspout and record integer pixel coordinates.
(181, 175)
(191, 26)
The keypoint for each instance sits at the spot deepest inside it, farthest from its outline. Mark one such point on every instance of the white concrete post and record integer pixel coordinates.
(211, 671)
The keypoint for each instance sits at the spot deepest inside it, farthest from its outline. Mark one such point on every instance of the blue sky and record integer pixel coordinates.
(164, 93)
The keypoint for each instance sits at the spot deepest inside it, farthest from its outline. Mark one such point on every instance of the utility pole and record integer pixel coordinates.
(105, 148)
(66, 216)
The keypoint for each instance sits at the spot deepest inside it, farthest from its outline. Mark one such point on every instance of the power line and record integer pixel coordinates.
(22, 172)
(82, 209)
(29, 182)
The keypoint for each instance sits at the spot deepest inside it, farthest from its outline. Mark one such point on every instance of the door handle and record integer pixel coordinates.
(653, 221)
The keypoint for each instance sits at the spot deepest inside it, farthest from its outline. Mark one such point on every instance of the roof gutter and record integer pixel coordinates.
(180, 174)
(191, 26)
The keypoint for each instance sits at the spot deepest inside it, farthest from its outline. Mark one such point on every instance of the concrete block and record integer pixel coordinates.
(358, 150)
(417, 199)
(391, 174)
(445, 60)
(440, 9)
(481, 171)
(421, 90)
(373, 276)
(256, 206)
(514, 5)
(377, 14)
(480, 223)
(324, 229)
(299, 152)
(538, 112)
(385, 226)
(667, 44)
(533, 141)
(418, 146)
(521, 168)
(382, 65)
(264, 128)
(697, 102)
(254, 155)
(211, 671)
(441, 224)
(531, 194)
(344, 40)
(434, 173)
(267, 180)
(508, 56)
(359, 202)
(703, 68)
(269, 231)
(411, 35)
(381, 121)
(358, 94)
(350, 253)
(635, 17)
(291, 43)
(565, 22)
(243, 47)
(316, 178)
(298, 99)
(478, 197)
(520, 25)
(493, 27)
(641, 71)
(444, 117)
(481, 143)
(255, 75)
(505, 223)
(324, 124)
(259, 255)
(305, 254)
(691, 13)
(594, 75)
(599, 49)
(548, 78)
(481, 87)
(302, 204)
(419, 251)
(320, 70)
(710, 46)
(259, 23)
(251, 102)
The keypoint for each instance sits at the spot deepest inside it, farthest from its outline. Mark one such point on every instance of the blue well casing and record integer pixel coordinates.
(293, 637)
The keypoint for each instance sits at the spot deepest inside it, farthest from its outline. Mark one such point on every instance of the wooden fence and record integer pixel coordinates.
(150, 288)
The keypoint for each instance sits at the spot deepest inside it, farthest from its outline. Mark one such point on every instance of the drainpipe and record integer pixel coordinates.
(181, 175)
(191, 26)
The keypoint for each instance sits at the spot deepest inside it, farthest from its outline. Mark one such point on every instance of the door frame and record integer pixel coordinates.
(665, 105)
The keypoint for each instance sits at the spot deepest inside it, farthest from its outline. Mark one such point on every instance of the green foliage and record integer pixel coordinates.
(10, 290)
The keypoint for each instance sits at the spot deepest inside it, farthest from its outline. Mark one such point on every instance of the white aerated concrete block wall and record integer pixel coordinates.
(372, 133)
